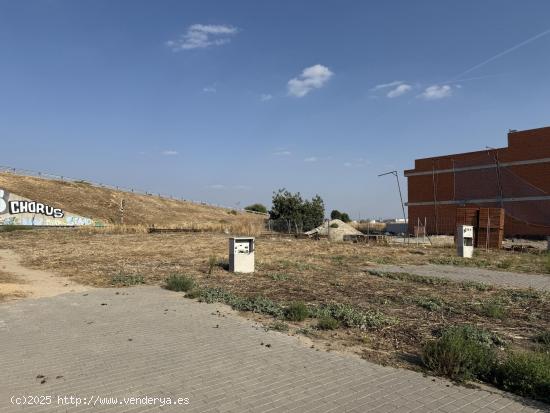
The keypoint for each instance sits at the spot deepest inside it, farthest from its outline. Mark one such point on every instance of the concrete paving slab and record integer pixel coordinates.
(107, 345)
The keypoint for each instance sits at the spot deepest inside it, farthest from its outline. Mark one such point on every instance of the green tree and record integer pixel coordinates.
(257, 208)
(335, 214)
(313, 213)
(297, 213)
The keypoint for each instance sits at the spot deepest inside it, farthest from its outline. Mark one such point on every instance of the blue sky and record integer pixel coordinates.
(227, 101)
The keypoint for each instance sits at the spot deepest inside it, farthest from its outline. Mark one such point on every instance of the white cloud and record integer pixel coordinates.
(387, 85)
(311, 159)
(399, 90)
(170, 152)
(436, 92)
(313, 77)
(282, 153)
(209, 89)
(265, 97)
(200, 36)
(357, 163)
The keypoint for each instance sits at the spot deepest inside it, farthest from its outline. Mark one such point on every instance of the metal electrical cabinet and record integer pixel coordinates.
(465, 241)
(241, 254)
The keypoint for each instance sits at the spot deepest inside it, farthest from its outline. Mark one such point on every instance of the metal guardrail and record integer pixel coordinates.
(47, 175)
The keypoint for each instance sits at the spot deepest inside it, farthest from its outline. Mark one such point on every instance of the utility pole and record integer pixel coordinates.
(394, 173)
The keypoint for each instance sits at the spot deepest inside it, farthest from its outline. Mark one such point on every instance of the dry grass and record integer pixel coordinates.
(242, 225)
(141, 210)
(7, 278)
(316, 272)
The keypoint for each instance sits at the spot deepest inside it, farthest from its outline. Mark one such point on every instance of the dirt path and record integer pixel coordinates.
(25, 282)
(455, 273)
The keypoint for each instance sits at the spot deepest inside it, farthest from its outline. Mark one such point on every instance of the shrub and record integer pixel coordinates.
(327, 323)
(543, 338)
(334, 225)
(493, 309)
(526, 374)
(179, 283)
(296, 311)
(257, 208)
(461, 353)
(212, 262)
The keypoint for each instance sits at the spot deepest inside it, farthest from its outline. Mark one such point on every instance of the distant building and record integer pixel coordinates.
(516, 178)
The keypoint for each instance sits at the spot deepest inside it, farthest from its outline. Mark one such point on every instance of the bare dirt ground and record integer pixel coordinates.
(316, 272)
(17, 281)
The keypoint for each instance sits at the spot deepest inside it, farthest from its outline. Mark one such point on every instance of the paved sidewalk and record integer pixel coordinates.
(457, 273)
(146, 341)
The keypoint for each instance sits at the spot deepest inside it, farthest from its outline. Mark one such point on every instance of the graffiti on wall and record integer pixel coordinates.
(16, 210)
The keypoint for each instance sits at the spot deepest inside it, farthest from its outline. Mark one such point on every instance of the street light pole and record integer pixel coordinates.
(394, 173)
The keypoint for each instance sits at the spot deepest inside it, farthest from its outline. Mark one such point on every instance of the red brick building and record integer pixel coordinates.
(516, 178)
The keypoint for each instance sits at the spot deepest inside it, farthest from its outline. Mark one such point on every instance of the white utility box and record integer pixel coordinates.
(241, 254)
(465, 241)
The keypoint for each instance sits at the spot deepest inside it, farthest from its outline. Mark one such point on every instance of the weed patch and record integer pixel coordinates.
(404, 276)
(256, 304)
(126, 280)
(526, 374)
(327, 323)
(543, 339)
(296, 311)
(461, 353)
(351, 316)
(279, 326)
(475, 285)
(177, 282)
(504, 265)
(493, 309)
(11, 228)
(279, 277)
(430, 304)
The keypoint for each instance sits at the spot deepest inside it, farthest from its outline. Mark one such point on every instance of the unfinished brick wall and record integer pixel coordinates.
(438, 186)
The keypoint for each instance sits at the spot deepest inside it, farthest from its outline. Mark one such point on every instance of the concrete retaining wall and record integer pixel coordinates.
(16, 210)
